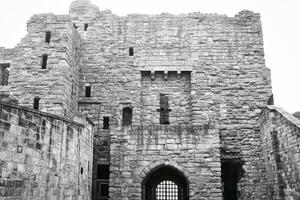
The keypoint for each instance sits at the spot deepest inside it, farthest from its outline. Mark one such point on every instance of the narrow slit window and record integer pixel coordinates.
(164, 109)
(44, 61)
(131, 51)
(86, 27)
(88, 91)
(105, 122)
(36, 102)
(48, 36)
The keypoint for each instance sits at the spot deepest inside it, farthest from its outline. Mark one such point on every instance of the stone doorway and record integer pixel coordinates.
(165, 183)
(232, 172)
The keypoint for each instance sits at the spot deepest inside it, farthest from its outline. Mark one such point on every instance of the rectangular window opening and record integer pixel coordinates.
(4, 73)
(44, 61)
(164, 109)
(36, 102)
(86, 27)
(126, 116)
(131, 51)
(88, 90)
(48, 36)
(105, 122)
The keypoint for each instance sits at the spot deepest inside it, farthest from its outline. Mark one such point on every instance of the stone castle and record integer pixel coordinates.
(162, 107)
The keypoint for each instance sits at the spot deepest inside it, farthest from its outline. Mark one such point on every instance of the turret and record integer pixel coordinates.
(83, 14)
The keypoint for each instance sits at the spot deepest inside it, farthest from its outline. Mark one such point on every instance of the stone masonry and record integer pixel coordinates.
(44, 156)
(280, 133)
(175, 101)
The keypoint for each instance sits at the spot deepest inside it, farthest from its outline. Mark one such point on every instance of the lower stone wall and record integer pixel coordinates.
(44, 156)
(191, 150)
(280, 133)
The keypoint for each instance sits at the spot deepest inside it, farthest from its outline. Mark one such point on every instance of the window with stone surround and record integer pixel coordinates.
(47, 37)
(102, 182)
(4, 73)
(126, 116)
(44, 61)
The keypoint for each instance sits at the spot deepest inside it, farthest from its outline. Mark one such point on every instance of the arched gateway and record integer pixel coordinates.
(165, 183)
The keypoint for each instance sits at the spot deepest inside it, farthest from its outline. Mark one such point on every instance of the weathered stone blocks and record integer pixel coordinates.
(39, 159)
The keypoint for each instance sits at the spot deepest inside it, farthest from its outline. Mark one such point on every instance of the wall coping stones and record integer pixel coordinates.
(89, 101)
(284, 113)
(41, 113)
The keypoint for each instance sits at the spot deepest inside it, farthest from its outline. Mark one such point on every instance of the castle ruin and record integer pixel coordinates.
(95, 106)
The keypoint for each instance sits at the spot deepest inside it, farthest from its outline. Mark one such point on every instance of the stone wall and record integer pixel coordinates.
(178, 90)
(228, 85)
(193, 150)
(211, 67)
(43, 156)
(56, 85)
(280, 134)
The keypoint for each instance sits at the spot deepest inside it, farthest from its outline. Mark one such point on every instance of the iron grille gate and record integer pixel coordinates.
(165, 183)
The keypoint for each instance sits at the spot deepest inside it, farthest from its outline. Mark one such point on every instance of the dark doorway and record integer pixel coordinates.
(102, 182)
(165, 183)
(231, 174)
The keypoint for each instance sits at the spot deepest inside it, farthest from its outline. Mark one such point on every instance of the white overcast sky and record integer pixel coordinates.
(280, 20)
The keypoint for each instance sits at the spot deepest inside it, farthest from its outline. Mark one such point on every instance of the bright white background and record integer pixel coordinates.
(280, 19)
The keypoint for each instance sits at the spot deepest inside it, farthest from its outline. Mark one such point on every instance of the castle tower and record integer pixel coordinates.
(175, 99)
(44, 72)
